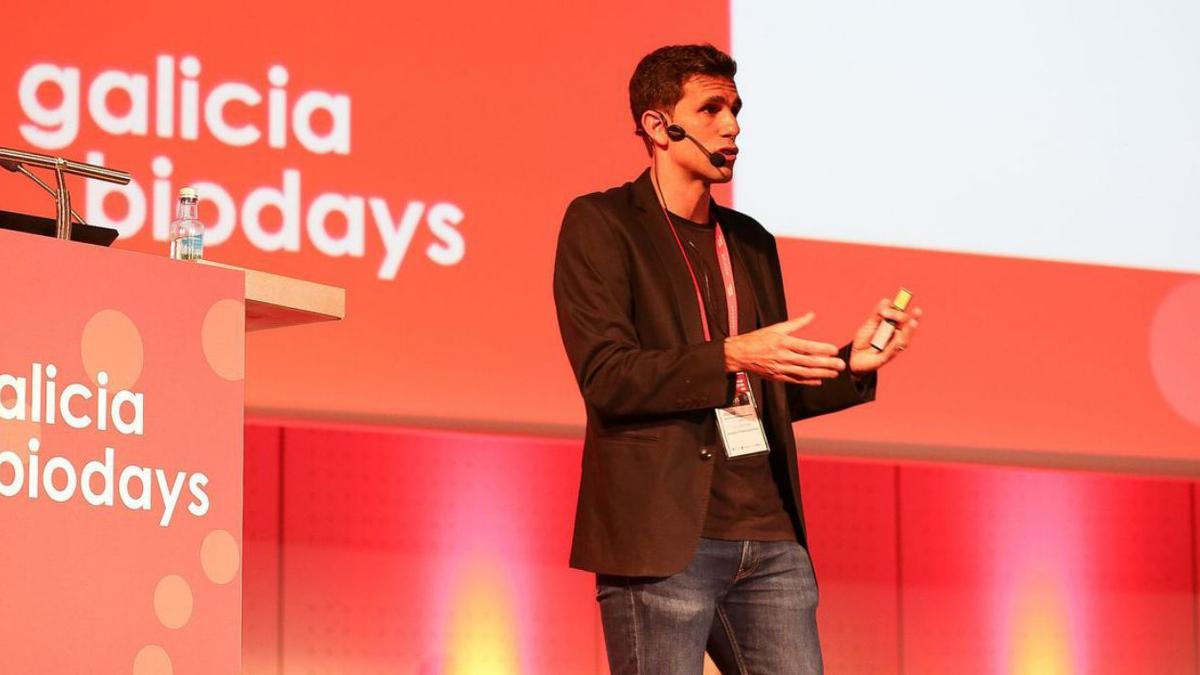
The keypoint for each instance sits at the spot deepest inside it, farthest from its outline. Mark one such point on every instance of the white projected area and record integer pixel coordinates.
(1051, 129)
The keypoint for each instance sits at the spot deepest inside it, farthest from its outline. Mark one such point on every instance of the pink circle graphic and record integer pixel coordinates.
(173, 601)
(1175, 350)
(222, 339)
(152, 660)
(220, 556)
(112, 344)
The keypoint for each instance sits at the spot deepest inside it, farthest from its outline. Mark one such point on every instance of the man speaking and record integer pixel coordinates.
(672, 312)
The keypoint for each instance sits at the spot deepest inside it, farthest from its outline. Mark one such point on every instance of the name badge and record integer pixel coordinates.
(741, 428)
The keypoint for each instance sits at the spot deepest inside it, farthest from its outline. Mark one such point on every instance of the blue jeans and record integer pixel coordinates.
(751, 604)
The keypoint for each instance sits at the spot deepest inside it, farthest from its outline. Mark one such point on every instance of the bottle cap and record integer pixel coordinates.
(188, 193)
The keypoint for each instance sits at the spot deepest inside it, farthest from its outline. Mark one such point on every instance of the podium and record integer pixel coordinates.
(121, 427)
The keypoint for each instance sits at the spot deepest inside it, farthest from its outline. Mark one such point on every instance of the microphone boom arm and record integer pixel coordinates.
(20, 168)
(15, 161)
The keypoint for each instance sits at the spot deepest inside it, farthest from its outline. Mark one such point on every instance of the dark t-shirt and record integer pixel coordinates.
(745, 499)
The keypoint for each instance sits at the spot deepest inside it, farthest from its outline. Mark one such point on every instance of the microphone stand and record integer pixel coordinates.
(14, 160)
(62, 202)
(20, 168)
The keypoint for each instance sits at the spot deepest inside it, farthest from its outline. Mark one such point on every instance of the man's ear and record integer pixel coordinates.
(654, 127)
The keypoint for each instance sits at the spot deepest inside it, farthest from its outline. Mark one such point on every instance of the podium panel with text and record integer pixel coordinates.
(121, 413)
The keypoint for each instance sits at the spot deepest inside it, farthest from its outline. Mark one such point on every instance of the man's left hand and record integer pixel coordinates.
(866, 359)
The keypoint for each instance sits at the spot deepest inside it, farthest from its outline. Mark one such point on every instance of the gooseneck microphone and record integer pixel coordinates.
(59, 164)
(677, 133)
(16, 161)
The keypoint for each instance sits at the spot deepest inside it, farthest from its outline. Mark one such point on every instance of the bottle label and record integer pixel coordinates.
(188, 248)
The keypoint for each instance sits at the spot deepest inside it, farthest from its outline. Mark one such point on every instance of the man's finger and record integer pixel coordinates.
(805, 373)
(793, 325)
(880, 308)
(807, 382)
(905, 333)
(899, 316)
(899, 343)
(802, 346)
(894, 349)
(813, 361)
(896, 315)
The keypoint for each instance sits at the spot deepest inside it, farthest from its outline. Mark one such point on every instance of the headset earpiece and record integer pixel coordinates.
(674, 131)
(677, 133)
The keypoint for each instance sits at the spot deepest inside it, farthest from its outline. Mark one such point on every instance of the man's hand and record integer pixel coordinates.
(863, 357)
(774, 354)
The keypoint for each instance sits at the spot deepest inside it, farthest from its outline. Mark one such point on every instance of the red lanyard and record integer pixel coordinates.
(731, 303)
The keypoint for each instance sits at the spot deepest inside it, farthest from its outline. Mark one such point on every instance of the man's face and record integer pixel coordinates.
(708, 111)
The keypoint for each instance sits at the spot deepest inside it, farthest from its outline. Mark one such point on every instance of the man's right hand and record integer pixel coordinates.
(773, 353)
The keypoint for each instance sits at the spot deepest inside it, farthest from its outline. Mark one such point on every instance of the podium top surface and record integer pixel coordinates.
(275, 301)
(24, 222)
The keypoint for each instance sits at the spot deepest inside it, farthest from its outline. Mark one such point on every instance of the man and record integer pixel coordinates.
(672, 313)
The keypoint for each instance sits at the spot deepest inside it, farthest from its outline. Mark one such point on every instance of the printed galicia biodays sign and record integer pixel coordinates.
(38, 398)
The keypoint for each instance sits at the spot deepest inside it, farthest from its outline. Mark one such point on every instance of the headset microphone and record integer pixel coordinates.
(677, 133)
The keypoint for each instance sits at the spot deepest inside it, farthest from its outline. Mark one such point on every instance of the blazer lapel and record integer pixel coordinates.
(751, 261)
(779, 430)
(672, 266)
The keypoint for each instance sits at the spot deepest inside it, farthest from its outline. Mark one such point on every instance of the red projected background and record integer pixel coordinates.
(422, 158)
(411, 471)
(419, 155)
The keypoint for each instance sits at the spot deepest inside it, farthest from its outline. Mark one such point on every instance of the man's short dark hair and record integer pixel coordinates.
(657, 82)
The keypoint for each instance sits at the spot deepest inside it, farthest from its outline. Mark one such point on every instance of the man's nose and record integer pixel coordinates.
(729, 127)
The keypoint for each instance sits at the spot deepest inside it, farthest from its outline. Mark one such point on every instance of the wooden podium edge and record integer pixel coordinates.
(276, 301)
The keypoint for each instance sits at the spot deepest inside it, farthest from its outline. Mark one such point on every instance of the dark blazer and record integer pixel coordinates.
(629, 321)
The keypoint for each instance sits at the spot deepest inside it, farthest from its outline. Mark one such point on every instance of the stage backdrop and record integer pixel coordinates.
(1026, 170)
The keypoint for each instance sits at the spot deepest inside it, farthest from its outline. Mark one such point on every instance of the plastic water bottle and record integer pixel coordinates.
(187, 232)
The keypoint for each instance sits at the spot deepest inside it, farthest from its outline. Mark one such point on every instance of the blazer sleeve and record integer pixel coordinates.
(832, 395)
(593, 298)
